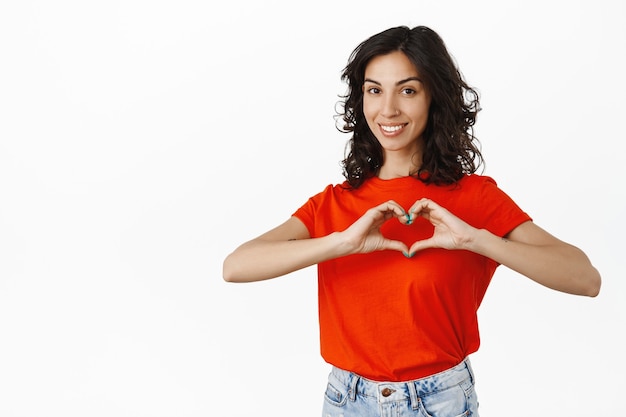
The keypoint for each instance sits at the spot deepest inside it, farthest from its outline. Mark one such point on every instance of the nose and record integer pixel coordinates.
(390, 107)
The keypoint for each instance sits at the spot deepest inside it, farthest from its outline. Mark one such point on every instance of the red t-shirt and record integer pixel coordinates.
(390, 318)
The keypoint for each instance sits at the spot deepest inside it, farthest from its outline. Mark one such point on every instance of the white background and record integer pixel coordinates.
(142, 141)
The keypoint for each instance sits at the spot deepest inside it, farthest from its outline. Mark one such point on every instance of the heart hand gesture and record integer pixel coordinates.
(364, 235)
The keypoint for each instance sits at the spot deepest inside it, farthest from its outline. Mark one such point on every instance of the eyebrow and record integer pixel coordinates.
(406, 80)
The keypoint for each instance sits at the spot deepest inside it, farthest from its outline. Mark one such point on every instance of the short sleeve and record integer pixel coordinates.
(307, 213)
(499, 212)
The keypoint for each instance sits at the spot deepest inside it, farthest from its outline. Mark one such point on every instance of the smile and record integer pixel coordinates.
(391, 129)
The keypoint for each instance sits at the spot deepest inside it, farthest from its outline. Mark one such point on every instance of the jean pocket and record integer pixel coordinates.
(451, 402)
(336, 393)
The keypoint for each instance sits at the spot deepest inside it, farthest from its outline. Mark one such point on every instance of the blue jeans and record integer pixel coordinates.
(446, 394)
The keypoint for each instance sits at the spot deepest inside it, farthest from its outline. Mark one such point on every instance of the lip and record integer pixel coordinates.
(396, 128)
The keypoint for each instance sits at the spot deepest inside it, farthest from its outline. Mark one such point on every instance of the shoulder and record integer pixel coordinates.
(469, 188)
(329, 193)
(477, 181)
(483, 188)
(489, 206)
(333, 190)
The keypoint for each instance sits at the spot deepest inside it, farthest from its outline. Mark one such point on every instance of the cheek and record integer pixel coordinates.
(420, 111)
(367, 110)
(370, 115)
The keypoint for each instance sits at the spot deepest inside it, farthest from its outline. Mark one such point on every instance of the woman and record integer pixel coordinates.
(407, 245)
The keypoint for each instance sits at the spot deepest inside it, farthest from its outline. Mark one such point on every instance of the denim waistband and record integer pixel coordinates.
(408, 390)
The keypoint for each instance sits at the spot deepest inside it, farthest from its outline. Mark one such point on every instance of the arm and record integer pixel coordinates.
(535, 253)
(283, 249)
(527, 249)
(289, 247)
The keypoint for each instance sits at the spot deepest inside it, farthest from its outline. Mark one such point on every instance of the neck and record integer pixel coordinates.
(396, 165)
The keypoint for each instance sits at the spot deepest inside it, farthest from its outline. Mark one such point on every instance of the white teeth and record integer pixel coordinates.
(391, 128)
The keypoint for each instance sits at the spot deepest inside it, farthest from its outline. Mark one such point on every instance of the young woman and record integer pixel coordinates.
(407, 245)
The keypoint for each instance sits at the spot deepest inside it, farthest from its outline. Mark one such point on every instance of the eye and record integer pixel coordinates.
(373, 90)
(408, 91)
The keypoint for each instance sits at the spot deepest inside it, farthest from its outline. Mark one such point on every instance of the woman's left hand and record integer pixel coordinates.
(450, 231)
(527, 249)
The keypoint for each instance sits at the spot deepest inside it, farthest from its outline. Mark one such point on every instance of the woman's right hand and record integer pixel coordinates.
(364, 235)
(289, 247)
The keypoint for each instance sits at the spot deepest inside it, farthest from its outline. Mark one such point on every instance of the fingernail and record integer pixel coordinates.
(408, 255)
(409, 220)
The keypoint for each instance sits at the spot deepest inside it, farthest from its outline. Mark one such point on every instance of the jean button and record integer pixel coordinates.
(387, 392)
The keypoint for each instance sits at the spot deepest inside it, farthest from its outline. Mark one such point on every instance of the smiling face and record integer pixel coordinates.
(395, 105)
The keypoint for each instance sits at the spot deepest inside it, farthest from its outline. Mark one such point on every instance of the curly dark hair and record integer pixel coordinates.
(450, 148)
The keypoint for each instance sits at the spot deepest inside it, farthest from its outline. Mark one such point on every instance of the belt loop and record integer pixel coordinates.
(353, 383)
(470, 370)
(413, 395)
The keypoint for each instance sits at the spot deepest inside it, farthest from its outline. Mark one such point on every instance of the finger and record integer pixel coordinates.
(418, 207)
(393, 208)
(398, 212)
(396, 245)
(421, 245)
(424, 208)
(405, 218)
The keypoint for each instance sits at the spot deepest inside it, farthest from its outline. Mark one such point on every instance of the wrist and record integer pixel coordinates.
(341, 244)
(476, 240)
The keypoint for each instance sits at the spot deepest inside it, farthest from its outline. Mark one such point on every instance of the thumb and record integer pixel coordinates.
(395, 245)
(421, 245)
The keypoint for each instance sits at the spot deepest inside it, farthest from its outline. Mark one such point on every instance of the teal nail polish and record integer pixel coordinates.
(408, 255)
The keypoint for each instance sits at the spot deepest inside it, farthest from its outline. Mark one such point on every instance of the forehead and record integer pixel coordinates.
(393, 66)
